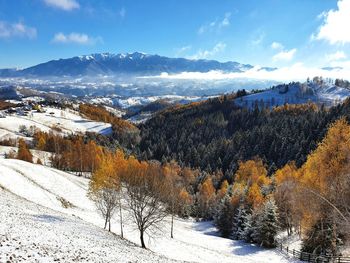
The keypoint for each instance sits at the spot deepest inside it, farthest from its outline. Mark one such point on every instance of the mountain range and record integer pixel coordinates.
(129, 63)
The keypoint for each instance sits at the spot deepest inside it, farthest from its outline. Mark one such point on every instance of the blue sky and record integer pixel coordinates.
(259, 32)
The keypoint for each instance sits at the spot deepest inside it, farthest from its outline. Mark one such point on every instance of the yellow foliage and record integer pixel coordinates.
(254, 196)
(250, 171)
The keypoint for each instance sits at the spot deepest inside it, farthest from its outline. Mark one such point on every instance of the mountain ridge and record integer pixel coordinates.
(136, 63)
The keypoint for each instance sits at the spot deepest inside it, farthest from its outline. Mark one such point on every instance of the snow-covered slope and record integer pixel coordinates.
(51, 188)
(33, 233)
(297, 93)
(66, 120)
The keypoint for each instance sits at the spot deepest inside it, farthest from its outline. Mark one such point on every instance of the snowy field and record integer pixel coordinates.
(67, 120)
(32, 233)
(45, 190)
(329, 95)
(42, 155)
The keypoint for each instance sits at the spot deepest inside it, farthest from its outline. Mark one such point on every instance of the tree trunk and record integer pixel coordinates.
(121, 219)
(141, 238)
(109, 224)
(106, 220)
(172, 226)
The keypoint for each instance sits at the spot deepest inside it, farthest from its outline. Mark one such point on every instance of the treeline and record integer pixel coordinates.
(215, 135)
(74, 153)
(150, 190)
(5, 105)
(312, 201)
(123, 131)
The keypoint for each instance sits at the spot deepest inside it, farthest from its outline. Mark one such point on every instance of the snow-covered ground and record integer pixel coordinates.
(297, 93)
(47, 189)
(67, 120)
(33, 233)
(42, 155)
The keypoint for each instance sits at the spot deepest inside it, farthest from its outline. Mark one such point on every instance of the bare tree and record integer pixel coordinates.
(106, 201)
(145, 193)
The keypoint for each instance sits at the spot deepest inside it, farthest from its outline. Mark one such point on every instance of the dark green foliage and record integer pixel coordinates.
(322, 238)
(266, 227)
(224, 216)
(217, 134)
(249, 224)
(239, 223)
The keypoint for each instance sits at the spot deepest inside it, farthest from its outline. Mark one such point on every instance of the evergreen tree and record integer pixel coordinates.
(321, 239)
(239, 223)
(248, 232)
(267, 225)
(224, 216)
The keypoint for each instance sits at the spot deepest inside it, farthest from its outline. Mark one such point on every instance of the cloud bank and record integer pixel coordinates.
(335, 28)
(296, 72)
(75, 38)
(66, 5)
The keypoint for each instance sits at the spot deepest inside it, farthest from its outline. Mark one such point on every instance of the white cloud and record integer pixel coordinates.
(180, 51)
(205, 54)
(10, 30)
(66, 5)
(339, 55)
(335, 28)
(258, 39)
(276, 45)
(216, 25)
(296, 72)
(122, 12)
(285, 55)
(75, 38)
(226, 20)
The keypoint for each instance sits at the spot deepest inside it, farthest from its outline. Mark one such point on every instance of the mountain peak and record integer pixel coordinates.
(126, 63)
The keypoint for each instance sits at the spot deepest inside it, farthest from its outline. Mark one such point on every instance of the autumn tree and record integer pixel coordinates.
(252, 175)
(185, 201)
(286, 181)
(206, 199)
(145, 195)
(23, 152)
(174, 184)
(325, 184)
(105, 187)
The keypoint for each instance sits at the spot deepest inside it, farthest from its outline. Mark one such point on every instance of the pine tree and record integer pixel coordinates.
(267, 225)
(248, 232)
(224, 216)
(239, 223)
(320, 239)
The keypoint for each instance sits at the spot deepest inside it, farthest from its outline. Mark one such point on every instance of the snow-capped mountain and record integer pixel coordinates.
(129, 63)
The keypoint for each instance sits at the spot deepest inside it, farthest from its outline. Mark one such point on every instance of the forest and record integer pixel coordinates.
(254, 172)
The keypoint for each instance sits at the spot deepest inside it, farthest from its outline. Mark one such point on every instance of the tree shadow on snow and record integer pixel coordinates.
(206, 227)
(49, 218)
(241, 248)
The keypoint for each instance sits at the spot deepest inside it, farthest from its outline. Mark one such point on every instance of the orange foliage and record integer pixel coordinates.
(250, 178)
(23, 152)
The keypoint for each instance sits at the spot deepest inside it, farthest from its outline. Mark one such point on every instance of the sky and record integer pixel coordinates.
(274, 33)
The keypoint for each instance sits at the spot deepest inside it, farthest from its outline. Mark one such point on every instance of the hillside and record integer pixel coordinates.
(64, 121)
(328, 94)
(41, 192)
(216, 134)
(33, 233)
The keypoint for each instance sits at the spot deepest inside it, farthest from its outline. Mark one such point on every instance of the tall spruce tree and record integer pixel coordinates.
(267, 225)
(239, 223)
(224, 216)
